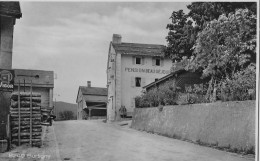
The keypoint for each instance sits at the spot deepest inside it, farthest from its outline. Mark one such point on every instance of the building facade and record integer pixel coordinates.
(91, 102)
(9, 12)
(131, 66)
(42, 82)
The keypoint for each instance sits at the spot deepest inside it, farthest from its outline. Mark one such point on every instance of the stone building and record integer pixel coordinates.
(9, 12)
(92, 102)
(42, 82)
(131, 66)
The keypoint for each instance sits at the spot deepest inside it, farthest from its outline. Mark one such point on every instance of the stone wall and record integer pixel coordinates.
(6, 41)
(223, 124)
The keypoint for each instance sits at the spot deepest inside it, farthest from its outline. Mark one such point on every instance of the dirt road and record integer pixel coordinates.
(97, 141)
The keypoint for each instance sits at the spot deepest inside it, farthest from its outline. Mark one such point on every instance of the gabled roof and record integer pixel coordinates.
(11, 8)
(182, 77)
(163, 79)
(93, 91)
(139, 49)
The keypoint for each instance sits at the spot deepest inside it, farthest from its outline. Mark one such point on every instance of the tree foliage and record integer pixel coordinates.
(165, 94)
(181, 36)
(240, 86)
(217, 39)
(226, 45)
(202, 12)
(66, 115)
(184, 28)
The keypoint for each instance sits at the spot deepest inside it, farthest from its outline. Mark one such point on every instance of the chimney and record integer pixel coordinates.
(116, 39)
(89, 83)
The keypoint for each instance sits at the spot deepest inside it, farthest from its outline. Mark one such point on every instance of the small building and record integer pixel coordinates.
(131, 66)
(180, 78)
(42, 82)
(92, 102)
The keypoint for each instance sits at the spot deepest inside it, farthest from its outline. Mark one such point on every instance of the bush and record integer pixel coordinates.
(241, 86)
(66, 115)
(165, 94)
(196, 93)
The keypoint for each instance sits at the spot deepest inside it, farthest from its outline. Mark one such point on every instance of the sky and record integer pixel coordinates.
(72, 38)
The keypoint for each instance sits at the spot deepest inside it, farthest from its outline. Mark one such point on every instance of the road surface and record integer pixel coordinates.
(97, 141)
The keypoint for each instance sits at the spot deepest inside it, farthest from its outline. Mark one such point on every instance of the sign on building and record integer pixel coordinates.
(6, 80)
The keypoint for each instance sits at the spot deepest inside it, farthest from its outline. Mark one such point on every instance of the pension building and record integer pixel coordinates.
(130, 67)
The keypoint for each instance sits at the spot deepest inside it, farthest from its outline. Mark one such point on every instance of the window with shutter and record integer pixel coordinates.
(138, 60)
(138, 81)
(157, 61)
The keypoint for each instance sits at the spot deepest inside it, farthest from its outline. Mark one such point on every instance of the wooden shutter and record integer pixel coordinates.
(133, 59)
(132, 81)
(162, 62)
(143, 82)
(153, 61)
(143, 61)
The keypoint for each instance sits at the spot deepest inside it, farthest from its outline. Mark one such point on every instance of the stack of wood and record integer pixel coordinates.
(25, 112)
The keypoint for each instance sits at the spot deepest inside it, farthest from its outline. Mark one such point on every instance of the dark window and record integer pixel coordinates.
(137, 60)
(157, 62)
(138, 82)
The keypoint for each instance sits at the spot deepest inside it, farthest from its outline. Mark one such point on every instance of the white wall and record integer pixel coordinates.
(120, 87)
(111, 84)
(79, 105)
(128, 73)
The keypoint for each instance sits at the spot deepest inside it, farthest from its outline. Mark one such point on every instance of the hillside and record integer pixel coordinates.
(64, 106)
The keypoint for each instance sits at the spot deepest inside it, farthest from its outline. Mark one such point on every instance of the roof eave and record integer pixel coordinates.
(163, 78)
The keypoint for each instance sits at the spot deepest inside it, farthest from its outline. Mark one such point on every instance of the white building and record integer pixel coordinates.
(131, 66)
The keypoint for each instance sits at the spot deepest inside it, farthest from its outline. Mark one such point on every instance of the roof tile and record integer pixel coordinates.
(139, 49)
(93, 91)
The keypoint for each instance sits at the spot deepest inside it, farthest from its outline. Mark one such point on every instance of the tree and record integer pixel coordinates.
(202, 12)
(225, 46)
(181, 36)
(184, 28)
(66, 115)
